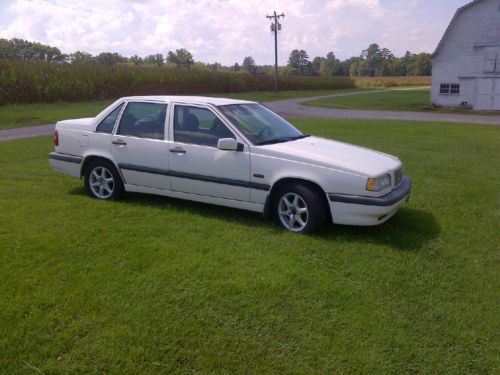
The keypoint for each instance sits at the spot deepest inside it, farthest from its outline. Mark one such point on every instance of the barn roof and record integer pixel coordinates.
(457, 13)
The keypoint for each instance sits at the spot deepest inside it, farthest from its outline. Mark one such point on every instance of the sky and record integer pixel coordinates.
(226, 31)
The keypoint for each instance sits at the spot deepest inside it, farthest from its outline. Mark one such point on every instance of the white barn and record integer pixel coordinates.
(466, 63)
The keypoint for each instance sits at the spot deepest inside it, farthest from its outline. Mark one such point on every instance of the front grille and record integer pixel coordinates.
(398, 176)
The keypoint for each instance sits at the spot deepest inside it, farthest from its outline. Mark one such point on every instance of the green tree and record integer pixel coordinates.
(181, 57)
(156, 59)
(299, 59)
(354, 66)
(215, 67)
(110, 58)
(249, 64)
(420, 66)
(80, 57)
(198, 65)
(317, 62)
(331, 66)
(20, 49)
(371, 60)
(136, 60)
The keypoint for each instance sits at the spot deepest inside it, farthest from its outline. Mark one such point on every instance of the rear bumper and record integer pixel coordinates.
(68, 164)
(361, 210)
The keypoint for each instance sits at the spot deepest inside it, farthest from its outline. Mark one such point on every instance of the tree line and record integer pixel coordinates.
(373, 61)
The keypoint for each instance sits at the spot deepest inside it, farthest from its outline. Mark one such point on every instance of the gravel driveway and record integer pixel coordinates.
(293, 108)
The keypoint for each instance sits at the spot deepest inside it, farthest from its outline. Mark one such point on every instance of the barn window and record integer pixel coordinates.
(445, 88)
(455, 89)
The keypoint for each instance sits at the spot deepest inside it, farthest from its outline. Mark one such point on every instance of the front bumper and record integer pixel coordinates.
(362, 210)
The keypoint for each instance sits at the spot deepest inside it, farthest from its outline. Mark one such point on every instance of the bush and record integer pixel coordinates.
(48, 82)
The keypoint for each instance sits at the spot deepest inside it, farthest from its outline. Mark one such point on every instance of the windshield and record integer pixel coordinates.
(259, 124)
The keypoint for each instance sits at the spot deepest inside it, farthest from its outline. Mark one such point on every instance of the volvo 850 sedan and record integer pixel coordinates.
(232, 153)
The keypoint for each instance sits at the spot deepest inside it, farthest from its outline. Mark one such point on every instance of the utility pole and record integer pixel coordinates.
(275, 27)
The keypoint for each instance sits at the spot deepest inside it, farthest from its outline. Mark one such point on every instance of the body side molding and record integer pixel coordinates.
(66, 158)
(197, 177)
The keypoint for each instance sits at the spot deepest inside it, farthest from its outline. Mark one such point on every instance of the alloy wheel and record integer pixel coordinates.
(293, 212)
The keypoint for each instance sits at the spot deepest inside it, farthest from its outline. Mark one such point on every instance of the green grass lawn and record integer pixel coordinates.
(398, 100)
(266, 96)
(149, 285)
(19, 115)
(404, 100)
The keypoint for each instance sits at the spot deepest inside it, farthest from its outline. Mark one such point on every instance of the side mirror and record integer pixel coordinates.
(229, 144)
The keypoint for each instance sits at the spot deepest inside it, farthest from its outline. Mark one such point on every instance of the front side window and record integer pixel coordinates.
(445, 88)
(259, 124)
(198, 126)
(455, 89)
(143, 120)
(108, 123)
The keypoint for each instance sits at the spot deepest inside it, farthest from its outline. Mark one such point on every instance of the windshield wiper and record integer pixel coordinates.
(301, 137)
(275, 140)
(282, 140)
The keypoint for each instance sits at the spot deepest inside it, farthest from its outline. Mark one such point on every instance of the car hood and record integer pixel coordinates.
(333, 154)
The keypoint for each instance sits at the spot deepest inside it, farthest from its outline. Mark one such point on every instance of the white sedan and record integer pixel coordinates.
(232, 153)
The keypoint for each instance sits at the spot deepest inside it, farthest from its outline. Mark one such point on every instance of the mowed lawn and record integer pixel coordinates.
(397, 100)
(19, 115)
(150, 285)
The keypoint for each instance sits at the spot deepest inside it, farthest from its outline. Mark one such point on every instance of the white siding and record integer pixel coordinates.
(469, 51)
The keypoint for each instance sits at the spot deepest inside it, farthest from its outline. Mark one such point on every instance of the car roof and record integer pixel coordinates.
(189, 99)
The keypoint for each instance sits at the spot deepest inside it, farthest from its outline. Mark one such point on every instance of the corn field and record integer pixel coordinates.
(28, 82)
(392, 81)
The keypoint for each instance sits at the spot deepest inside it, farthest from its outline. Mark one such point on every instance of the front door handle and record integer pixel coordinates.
(119, 142)
(178, 150)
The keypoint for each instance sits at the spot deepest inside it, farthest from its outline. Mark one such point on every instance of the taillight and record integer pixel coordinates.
(56, 138)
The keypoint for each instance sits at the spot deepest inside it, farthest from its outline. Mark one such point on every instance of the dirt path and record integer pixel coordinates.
(26, 132)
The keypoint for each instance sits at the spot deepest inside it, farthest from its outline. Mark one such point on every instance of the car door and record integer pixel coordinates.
(139, 145)
(197, 166)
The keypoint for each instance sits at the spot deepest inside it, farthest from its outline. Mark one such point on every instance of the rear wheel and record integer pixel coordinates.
(299, 209)
(102, 180)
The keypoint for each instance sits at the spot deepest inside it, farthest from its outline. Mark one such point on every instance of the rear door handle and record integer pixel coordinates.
(119, 142)
(178, 150)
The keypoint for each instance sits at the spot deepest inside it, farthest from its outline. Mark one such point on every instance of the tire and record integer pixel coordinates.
(102, 180)
(299, 209)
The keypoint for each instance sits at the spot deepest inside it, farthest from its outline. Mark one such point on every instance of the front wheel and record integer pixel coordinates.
(299, 209)
(102, 181)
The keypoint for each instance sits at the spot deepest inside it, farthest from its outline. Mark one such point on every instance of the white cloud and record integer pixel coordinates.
(222, 30)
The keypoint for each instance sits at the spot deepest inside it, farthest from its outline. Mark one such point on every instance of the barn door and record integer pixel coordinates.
(488, 94)
(496, 94)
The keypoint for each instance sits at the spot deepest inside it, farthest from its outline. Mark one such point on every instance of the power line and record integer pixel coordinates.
(275, 27)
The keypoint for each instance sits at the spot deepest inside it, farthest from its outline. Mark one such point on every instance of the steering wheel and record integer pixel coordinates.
(265, 133)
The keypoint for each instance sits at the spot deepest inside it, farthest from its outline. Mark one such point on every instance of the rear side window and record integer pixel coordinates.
(108, 123)
(143, 120)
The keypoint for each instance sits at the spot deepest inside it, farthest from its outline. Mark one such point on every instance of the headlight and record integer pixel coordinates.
(379, 183)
